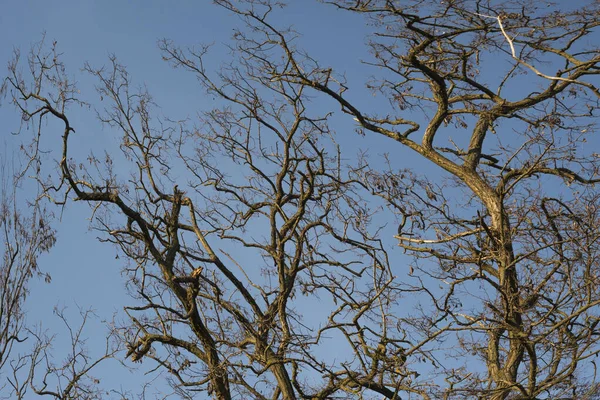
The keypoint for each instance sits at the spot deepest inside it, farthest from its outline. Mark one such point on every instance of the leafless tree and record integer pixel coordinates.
(26, 233)
(217, 323)
(234, 225)
(518, 302)
(27, 363)
(43, 371)
(25, 352)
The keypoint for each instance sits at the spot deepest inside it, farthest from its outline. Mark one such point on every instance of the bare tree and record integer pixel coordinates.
(518, 264)
(214, 322)
(36, 370)
(25, 236)
(233, 225)
(25, 348)
(71, 378)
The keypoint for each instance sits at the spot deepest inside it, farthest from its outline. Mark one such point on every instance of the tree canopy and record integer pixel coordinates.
(266, 260)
